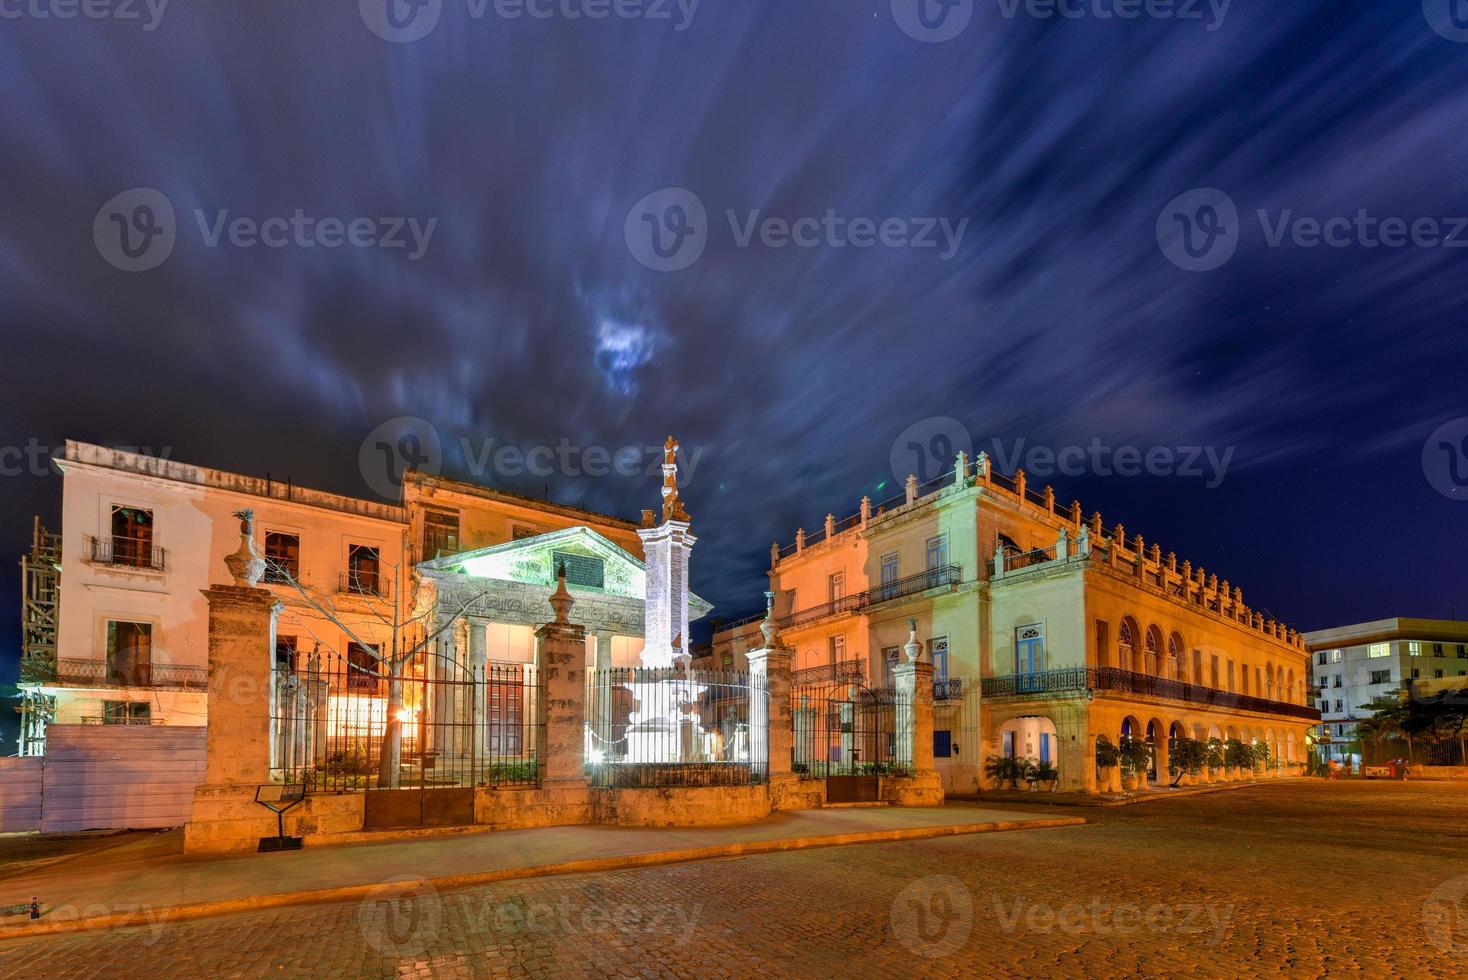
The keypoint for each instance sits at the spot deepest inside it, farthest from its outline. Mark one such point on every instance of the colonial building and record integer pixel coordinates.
(142, 538)
(1046, 629)
(1354, 665)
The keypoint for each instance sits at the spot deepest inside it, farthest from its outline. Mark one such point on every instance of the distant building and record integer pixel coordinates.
(1353, 665)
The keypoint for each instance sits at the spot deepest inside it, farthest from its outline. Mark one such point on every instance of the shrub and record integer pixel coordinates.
(1108, 756)
(1002, 769)
(1046, 772)
(1187, 757)
(1213, 753)
(1136, 756)
(1237, 755)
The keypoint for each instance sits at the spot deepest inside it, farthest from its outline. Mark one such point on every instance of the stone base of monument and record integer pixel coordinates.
(922, 788)
(688, 806)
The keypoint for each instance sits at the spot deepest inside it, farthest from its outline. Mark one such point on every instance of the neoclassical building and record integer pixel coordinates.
(1046, 629)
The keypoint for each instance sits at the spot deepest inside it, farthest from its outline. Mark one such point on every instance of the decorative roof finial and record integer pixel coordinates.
(769, 627)
(246, 566)
(561, 601)
(672, 506)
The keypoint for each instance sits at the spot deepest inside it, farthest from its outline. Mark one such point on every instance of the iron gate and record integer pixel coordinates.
(845, 732)
(417, 744)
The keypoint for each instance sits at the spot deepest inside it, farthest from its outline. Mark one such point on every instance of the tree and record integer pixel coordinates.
(1108, 756)
(1213, 753)
(1187, 758)
(411, 629)
(1136, 756)
(1238, 754)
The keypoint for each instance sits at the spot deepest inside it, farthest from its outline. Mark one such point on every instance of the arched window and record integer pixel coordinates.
(1175, 665)
(1126, 643)
(1269, 680)
(1154, 650)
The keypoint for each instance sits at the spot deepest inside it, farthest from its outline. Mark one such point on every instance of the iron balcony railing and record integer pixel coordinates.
(948, 689)
(121, 720)
(126, 552)
(934, 578)
(100, 673)
(364, 583)
(842, 670)
(1070, 680)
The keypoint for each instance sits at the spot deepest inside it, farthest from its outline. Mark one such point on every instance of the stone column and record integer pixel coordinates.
(560, 662)
(771, 725)
(914, 721)
(237, 761)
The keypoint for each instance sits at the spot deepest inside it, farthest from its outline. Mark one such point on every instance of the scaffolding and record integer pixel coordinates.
(40, 583)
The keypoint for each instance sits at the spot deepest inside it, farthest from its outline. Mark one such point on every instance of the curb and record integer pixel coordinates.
(144, 916)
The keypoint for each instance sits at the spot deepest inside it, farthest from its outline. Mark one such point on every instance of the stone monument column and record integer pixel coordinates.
(666, 549)
(560, 662)
(914, 722)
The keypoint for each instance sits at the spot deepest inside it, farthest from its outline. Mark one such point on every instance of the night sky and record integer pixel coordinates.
(1052, 148)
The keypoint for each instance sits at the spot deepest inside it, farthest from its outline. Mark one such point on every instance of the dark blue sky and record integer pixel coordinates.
(1060, 317)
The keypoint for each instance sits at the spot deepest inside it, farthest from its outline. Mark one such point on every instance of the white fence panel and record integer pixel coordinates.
(120, 776)
(20, 793)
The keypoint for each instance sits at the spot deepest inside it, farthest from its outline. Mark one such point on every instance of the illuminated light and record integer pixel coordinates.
(405, 715)
(597, 755)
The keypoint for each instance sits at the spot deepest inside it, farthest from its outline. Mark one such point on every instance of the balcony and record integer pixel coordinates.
(843, 671)
(363, 583)
(120, 552)
(1114, 680)
(934, 578)
(78, 672)
(948, 689)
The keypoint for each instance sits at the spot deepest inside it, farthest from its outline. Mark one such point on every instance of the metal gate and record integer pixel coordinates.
(417, 744)
(845, 732)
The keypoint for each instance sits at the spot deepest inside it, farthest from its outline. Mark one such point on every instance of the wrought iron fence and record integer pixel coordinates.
(128, 552)
(1114, 679)
(339, 725)
(1419, 750)
(672, 727)
(844, 728)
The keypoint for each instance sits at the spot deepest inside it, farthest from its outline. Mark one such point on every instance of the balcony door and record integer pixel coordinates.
(889, 575)
(1029, 656)
(132, 536)
(129, 653)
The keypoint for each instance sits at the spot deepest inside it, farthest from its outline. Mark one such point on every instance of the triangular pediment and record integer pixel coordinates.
(533, 561)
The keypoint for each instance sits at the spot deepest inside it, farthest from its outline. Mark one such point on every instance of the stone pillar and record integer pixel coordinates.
(560, 664)
(237, 760)
(771, 726)
(910, 489)
(668, 548)
(914, 722)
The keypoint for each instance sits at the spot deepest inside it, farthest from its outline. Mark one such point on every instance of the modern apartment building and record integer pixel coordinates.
(1353, 665)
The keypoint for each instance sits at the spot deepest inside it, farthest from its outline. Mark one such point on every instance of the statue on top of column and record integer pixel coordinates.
(672, 505)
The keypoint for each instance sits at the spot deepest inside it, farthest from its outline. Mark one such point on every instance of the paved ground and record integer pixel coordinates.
(1304, 879)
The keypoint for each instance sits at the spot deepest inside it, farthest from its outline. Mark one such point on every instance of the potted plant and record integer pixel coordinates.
(1213, 755)
(1027, 770)
(1136, 756)
(1108, 757)
(1003, 769)
(1261, 756)
(1046, 775)
(1186, 760)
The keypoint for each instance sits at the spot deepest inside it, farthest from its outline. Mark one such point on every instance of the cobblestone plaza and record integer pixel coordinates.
(1239, 883)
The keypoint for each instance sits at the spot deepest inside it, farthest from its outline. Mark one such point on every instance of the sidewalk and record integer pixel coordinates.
(1151, 794)
(149, 880)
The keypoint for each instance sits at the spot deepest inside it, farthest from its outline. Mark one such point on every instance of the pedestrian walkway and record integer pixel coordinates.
(150, 879)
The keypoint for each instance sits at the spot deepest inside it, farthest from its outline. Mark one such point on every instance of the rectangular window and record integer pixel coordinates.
(837, 645)
(1213, 671)
(1462, 651)
(836, 586)
(942, 744)
(1437, 673)
(362, 668)
(1437, 649)
(1231, 676)
(440, 534)
(937, 552)
(891, 657)
(132, 537)
(1336, 682)
(129, 653)
(1103, 643)
(1379, 650)
(126, 713)
(938, 653)
(1322, 657)
(889, 574)
(363, 570)
(1416, 673)
(282, 557)
(1414, 649)
(285, 652)
(1381, 677)
(1336, 656)
(519, 532)
(1338, 707)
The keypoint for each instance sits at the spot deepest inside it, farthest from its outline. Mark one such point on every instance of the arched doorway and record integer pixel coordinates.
(1032, 738)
